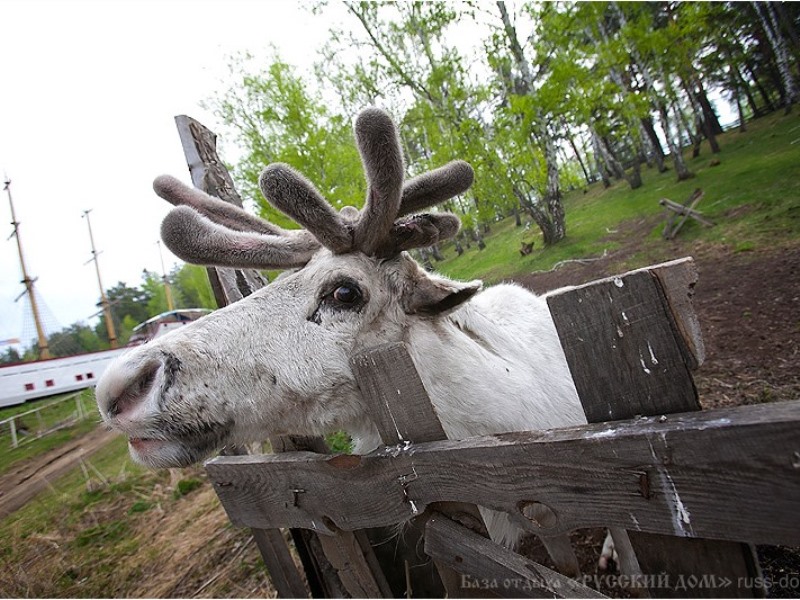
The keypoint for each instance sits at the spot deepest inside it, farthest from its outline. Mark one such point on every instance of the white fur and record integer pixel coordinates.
(276, 363)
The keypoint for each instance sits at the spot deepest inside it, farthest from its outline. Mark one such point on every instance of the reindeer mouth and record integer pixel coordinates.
(159, 453)
(146, 444)
(180, 447)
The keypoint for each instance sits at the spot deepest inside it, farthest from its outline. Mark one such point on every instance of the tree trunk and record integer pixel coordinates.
(655, 143)
(599, 160)
(709, 115)
(539, 216)
(769, 24)
(739, 85)
(554, 215)
(635, 178)
(788, 26)
(607, 157)
(768, 103)
(571, 141)
(701, 116)
(552, 197)
(681, 170)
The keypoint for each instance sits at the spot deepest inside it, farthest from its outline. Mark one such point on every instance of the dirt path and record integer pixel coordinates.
(26, 480)
(747, 304)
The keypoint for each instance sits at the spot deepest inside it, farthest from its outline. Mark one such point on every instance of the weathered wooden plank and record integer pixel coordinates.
(402, 410)
(689, 475)
(282, 569)
(398, 401)
(347, 557)
(677, 280)
(493, 570)
(403, 413)
(725, 567)
(671, 287)
(629, 562)
(686, 211)
(624, 320)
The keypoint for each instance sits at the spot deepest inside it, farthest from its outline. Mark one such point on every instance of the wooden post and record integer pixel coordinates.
(14, 442)
(402, 410)
(229, 285)
(644, 325)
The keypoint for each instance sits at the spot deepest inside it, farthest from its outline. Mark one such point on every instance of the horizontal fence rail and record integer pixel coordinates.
(728, 474)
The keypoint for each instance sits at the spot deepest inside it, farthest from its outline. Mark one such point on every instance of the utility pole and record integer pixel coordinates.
(167, 289)
(44, 349)
(112, 334)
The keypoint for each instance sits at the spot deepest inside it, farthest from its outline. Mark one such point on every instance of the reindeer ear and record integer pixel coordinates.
(426, 294)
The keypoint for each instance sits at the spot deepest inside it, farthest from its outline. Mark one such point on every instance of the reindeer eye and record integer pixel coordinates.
(347, 294)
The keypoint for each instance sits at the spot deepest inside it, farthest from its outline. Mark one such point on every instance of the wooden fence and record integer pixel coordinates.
(683, 492)
(45, 423)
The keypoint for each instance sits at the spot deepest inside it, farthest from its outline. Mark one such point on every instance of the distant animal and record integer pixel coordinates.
(525, 248)
(277, 362)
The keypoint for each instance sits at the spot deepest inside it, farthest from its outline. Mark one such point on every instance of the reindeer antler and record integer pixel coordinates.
(377, 230)
(208, 231)
(205, 230)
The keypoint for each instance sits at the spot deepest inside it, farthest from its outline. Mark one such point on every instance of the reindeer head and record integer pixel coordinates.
(277, 362)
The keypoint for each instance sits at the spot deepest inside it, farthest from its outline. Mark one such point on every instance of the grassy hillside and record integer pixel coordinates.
(753, 196)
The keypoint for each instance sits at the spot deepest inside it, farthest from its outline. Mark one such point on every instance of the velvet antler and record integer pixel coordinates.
(376, 231)
(205, 230)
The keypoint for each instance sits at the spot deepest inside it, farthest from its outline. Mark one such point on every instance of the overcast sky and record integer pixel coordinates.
(88, 94)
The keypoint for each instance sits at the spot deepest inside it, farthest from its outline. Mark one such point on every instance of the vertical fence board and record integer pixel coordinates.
(493, 570)
(402, 411)
(643, 325)
(209, 174)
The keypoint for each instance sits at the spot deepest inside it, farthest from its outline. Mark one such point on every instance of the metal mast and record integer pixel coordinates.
(112, 334)
(167, 289)
(44, 349)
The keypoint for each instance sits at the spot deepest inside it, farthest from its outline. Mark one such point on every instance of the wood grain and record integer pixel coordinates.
(621, 348)
(649, 358)
(688, 475)
(494, 570)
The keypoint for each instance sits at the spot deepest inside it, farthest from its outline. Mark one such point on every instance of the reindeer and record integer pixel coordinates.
(277, 362)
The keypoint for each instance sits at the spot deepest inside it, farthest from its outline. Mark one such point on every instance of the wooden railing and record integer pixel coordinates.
(684, 493)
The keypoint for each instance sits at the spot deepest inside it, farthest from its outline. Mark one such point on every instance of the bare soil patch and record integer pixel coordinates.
(27, 479)
(748, 305)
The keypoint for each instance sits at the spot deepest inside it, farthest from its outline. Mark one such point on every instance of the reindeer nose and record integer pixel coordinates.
(122, 389)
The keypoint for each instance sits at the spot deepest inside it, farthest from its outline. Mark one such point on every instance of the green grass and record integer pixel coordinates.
(53, 414)
(86, 526)
(753, 196)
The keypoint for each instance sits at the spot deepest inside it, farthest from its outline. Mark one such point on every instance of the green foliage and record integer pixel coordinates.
(75, 339)
(191, 288)
(187, 486)
(274, 117)
(10, 356)
(140, 506)
(339, 442)
(751, 196)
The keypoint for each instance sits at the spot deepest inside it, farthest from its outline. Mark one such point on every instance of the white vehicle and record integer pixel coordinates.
(40, 378)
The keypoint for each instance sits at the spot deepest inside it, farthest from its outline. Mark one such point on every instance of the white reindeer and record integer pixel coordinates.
(277, 362)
